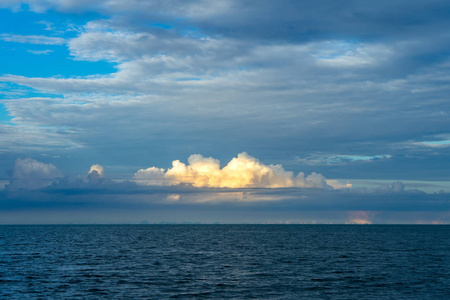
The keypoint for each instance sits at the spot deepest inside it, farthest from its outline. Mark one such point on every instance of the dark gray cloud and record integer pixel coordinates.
(41, 188)
(132, 203)
(282, 19)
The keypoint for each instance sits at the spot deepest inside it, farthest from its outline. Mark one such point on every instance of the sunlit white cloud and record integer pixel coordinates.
(97, 169)
(243, 171)
(96, 175)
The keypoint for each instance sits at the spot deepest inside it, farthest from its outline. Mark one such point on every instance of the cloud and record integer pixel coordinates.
(267, 19)
(340, 159)
(243, 171)
(49, 26)
(40, 52)
(116, 200)
(337, 184)
(98, 169)
(39, 187)
(95, 175)
(396, 187)
(32, 39)
(436, 144)
(31, 174)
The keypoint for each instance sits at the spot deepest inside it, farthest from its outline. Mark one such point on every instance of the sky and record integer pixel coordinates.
(224, 111)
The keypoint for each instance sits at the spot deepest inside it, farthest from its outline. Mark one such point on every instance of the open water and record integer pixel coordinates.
(224, 262)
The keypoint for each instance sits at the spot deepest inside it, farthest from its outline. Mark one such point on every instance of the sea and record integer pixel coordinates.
(225, 262)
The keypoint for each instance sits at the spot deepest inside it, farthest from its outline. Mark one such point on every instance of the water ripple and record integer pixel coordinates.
(225, 262)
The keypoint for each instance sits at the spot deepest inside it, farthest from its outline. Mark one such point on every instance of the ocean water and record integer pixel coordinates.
(224, 262)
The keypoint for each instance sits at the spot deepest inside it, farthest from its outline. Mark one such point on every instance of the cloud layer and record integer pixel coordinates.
(39, 193)
(333, 87)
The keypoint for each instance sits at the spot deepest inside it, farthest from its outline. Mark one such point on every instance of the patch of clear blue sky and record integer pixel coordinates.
(9, 90)
(161, 26)
(54, 60)
(16, 58)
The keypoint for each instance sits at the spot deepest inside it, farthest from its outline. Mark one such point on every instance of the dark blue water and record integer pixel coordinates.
(225, 261)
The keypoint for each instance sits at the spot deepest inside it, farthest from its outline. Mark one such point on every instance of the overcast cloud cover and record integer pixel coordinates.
(263, 110)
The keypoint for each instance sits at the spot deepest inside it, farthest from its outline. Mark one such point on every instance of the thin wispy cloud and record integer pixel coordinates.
(41, 52)
(32, 39)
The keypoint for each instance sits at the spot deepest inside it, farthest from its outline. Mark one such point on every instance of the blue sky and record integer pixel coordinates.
(322, 98)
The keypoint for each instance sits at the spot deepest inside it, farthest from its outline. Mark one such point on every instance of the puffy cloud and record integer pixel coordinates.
(243, 171)
(32, 174)
(98, 169)
(151, 176)
(95, 175)
(337, 184)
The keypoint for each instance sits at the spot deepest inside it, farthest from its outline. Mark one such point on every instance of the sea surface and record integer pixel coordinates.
(225, 262)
